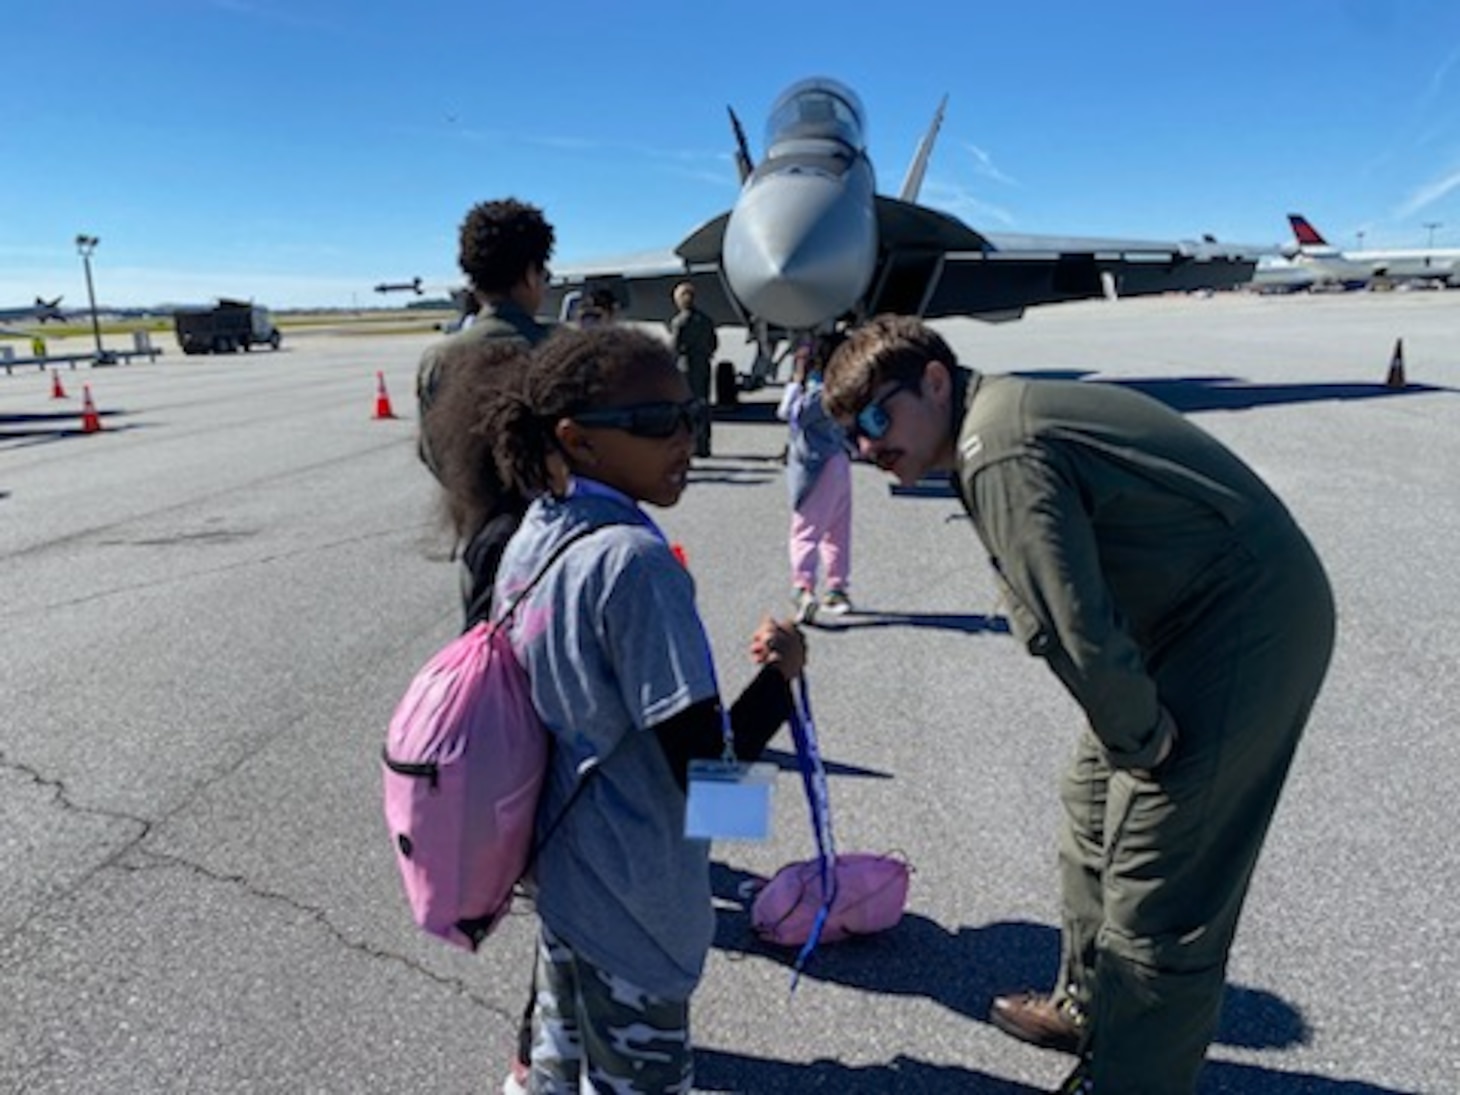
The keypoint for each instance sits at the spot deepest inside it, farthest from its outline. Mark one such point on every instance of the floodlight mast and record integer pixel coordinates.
(85, 245)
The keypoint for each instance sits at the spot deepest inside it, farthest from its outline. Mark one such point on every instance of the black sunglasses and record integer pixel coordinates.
(658, 420)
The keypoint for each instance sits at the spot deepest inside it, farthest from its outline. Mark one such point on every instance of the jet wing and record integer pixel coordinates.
(643, 283)
(929, 264)
(935, 266)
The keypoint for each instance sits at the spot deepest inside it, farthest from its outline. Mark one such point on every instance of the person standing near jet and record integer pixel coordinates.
(695, 343)
(599, 309)
(1175, 598)
(504, 250)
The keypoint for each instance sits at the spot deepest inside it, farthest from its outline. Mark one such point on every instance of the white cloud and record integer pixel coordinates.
(1428, 194)
(964, 205)
(1437, 78)
(983, 165)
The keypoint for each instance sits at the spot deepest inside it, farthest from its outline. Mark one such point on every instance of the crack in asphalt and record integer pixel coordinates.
(166, 860)
(61, 795)
(146, 827)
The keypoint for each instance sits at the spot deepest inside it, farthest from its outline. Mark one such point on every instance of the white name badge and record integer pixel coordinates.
(729, 801)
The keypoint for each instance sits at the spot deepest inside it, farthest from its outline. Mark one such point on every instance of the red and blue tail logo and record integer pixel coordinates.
(1305, 233)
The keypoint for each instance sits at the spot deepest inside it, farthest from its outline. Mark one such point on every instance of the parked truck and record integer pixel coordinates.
(230, 325)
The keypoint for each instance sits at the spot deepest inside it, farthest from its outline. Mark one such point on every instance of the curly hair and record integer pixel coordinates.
(471, 374)
(501, 241)
(572, 371)
(886, 347)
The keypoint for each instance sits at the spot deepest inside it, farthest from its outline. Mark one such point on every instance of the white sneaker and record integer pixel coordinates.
(805, 602)
(836, 602)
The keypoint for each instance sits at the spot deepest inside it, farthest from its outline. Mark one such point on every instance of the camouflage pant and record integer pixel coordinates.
(631, 1042)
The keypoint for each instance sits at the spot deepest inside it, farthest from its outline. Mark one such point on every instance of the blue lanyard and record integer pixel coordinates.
(818, 800)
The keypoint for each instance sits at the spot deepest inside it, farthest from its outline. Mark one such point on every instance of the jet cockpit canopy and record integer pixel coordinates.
(817, 109)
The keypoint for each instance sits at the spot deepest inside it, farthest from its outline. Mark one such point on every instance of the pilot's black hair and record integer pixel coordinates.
(571, 372)
(501, 241)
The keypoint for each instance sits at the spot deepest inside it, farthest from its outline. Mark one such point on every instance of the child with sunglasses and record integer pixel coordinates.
(819, 476)
(621, 673)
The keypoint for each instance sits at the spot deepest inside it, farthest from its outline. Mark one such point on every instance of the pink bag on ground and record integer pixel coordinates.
(871, 892)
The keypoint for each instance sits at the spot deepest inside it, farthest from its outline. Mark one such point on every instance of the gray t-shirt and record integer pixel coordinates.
(613, 645)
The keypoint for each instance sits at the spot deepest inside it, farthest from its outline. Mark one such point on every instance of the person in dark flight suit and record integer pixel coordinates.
(1176, 599)
(692, 333)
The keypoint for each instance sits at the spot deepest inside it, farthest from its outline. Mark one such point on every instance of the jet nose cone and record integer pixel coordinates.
(801, 245)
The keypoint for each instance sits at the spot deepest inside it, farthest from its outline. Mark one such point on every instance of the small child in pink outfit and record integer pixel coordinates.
(819, 476)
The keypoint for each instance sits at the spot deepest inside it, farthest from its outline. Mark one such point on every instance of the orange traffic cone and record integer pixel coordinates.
(57, 392)
(90, 420)
(382, 399)
(1395, 379)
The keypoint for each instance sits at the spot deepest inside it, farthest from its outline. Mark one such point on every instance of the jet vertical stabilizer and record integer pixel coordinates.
(744, 165)
(913, 182)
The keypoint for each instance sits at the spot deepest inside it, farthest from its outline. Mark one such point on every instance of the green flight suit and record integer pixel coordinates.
(497, 320)
(1167, 588)
(695, 343)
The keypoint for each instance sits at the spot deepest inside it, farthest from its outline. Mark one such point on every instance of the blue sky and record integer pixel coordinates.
(300, 151)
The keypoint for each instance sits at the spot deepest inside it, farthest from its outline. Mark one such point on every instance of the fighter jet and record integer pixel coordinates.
(809, 243)
(414, 285)
(42, 311)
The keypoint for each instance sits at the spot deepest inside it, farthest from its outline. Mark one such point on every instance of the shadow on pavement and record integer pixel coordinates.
(963, 970)
(52, 424)
(726, 1072)
(716, 1071)
(968, 623)
(1230, 393)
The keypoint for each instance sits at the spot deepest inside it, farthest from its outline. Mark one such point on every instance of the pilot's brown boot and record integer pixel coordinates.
(1040, 1020)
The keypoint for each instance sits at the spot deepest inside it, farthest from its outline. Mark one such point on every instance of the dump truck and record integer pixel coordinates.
(228, 326)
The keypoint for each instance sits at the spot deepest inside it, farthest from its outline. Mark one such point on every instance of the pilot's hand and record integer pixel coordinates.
(781, 644)
(1166, 727)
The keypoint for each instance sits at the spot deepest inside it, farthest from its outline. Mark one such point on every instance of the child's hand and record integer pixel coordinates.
(799, 365)
(780, 644)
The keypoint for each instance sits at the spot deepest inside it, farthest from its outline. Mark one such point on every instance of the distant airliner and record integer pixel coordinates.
(1332, 264)
(809, 242)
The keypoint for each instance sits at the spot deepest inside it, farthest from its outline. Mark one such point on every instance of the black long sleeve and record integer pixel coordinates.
(695, 734)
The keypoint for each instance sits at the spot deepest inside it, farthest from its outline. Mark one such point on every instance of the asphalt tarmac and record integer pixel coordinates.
(209, 609)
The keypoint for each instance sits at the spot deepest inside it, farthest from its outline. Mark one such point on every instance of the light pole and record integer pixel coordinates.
(1432, 225)
(85, 245)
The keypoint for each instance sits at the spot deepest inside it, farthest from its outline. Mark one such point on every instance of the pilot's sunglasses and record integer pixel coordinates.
(657, 420)
(873, 421)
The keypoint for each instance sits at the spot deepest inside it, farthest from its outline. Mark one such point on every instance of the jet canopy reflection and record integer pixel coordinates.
(816, 110)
